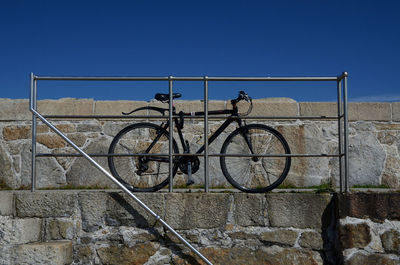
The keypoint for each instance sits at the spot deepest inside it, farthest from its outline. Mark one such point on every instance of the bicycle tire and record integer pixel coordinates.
(258, 176)
(135, 139)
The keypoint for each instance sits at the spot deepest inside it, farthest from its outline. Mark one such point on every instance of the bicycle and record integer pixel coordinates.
(135, 154)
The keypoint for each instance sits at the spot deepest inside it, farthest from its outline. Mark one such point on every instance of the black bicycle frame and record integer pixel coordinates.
(234, 117)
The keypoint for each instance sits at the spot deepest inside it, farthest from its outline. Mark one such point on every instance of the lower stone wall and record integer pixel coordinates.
(369, 228)
(98, 227)
(107, 227)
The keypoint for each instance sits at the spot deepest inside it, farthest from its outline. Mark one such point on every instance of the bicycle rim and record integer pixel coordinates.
(250, 174)
(141, 173)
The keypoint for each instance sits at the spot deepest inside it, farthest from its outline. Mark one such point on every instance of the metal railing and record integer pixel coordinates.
(342, 119)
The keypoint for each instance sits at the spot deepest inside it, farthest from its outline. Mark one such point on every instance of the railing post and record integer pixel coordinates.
(33, 105)
(340, 132)
(171, 131)
(206, 161)
(346, 134)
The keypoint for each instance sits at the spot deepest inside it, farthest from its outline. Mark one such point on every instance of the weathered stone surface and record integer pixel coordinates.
(364, 258)
(84, 254)
(51, 140)
(19, 231)
(318, 109)
(396, 111)
(57, 253)
(311, 240)
(16, 132)
(265, 108)
(376, 206)
(391, 241)
(6, 203)
(48, 172)
(355, 235)
(184, 211)
(83, 173)
(250, 210)
(122, 255)
(57, 229)
(366, 160)
(117, 107)
(45, 204)
(93, 207)
(7, 178)
(280, 236)
(391, 172)
(66, 106)
(88, 126)
(6, 254)
(14, 109)
(131, 236)
(122, 210)
(370, 111)
(288, 210)
(266, 255)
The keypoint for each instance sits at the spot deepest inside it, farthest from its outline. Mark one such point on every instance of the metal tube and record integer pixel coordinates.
(184, 154)
(171, 130)
(111, 177)
(188, 117)
(150, 78)
(33, 105)
(340, 133)
(346, 134)
(206, 160)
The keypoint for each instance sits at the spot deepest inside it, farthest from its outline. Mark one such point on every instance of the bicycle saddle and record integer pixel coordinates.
(165, 97)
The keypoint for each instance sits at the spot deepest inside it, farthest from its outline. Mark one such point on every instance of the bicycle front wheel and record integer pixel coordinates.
(255, 174)
(132, 162)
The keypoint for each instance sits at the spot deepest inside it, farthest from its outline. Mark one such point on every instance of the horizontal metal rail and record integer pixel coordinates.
(214, 117)
(188, 78)
(183, 154)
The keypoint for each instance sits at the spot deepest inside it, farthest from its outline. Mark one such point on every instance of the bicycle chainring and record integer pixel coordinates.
(184, 161)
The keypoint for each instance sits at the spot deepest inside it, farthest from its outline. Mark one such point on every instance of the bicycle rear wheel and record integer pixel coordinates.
(141, 173)
(255, 174)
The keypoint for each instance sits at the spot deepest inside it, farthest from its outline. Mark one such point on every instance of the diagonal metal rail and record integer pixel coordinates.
(113, 179)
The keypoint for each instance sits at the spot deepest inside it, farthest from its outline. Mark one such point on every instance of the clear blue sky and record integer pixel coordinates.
(197, 38)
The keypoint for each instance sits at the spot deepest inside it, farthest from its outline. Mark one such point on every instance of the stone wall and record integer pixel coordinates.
(374, 141)
(107, 227)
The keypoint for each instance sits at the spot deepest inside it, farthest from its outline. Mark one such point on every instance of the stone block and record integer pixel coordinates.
(198, 105)
(46, 204)
(391, 241)
(119, 106)
(310, 239)
(7, 177)
(19, 231)
(83, 173)
(191, 210)
(124, 211)
(118, 255)
(280, 236)
(318, 109)
(6, 203)
(51, 140)
(17, 132)
(246, 255)
(57, 253)
(66, 106)
(266, 108)
(250, 210)
(297, 210)
(93, 207)
(370, 111)
(396, 111)
(14, 109)
(58, 229)
(376, 206)
(355, 235)
(363, 257)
